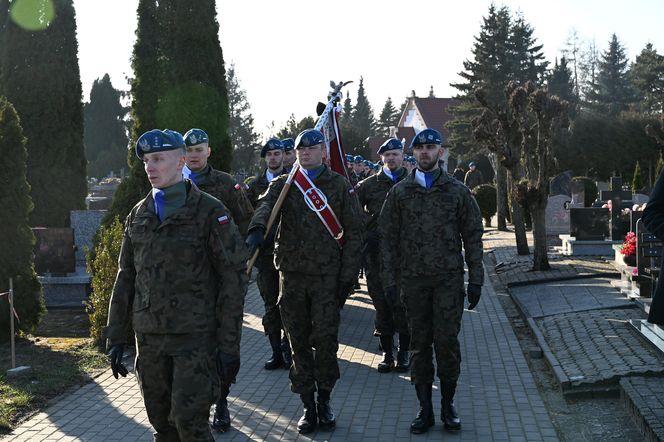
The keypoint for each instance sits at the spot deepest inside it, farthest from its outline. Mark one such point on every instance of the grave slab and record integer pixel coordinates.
(568, 296)
(592, 350)
(643, 397)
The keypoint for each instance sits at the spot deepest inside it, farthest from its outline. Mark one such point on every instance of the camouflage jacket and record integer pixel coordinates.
(422, 230)
(223, 186)
(185, 275)
(371, 193)
(473, 178)
(257, 186)
(303, 244)
(355, 178)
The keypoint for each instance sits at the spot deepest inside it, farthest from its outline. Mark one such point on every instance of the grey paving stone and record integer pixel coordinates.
(496, 393)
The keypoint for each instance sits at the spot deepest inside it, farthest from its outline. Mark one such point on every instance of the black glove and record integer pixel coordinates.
(391, 295)
(229, 366)
(344, 292)
(474, 293)
(115, 354)
(255, 239)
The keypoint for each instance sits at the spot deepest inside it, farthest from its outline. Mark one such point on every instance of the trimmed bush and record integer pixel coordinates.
(637, 179)
(590, 189)
(485, 195)
(104, 268)
(16, 253)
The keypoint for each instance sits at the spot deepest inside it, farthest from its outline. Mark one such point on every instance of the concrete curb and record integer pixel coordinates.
(630, 398)
(563, 278)
(561, 377)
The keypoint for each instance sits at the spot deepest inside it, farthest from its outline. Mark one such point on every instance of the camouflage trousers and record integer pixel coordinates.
(178, 380)
(310, 314)
(434, 307)
(390, 319)
(268, 286)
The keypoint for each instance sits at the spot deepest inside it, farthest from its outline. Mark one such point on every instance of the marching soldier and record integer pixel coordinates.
(268, 277)
(289, 153)
(317, 251)
(390, 315)
(357, 174)
(181, 284)
(220, 185)
(473, 177)
(426, 220)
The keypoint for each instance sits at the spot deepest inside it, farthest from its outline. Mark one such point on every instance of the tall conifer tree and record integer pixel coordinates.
(611, 92)
(363, 122)
(16, 253)
(40, 76)
(647, 77)
(105, 133)
(389, 117)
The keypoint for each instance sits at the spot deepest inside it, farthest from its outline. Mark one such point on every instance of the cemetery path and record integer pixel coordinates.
(497, 398)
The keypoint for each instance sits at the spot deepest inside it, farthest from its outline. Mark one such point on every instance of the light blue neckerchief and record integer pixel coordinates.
(270, 176)
(425, 179)
(390, 175)
(313, 173)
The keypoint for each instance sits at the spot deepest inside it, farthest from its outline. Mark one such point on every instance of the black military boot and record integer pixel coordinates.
(309, 419)
(326, 418)
(424, 418)
(222, 419)
(387, 363)
(286, 352)
(403, 357)
(277, 360)
(449, 416)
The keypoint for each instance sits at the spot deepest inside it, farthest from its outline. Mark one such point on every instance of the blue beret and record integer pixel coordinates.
(390, 144)
(471, 164)
(272, 144)
(156, 140)
(349, 158)
(195, 136)
(288, 143)
(427, 136)
(309, 137)
(413, 160)
(358, 159)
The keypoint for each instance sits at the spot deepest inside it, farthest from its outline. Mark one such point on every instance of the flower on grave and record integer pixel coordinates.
(628, 246)
(607, 205)
(635, 271)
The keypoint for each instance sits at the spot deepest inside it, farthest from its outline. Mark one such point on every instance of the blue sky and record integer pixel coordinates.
(285, 57)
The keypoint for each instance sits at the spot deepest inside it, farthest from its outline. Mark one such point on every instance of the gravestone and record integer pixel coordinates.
(619, 198)
(589, 223)
(578, 190)
(85, 224)
(602, 185)
(54, 250)
(557, 215)
(560, 184)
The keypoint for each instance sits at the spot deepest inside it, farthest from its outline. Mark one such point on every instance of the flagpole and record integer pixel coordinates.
(322, 120)
(11, 321)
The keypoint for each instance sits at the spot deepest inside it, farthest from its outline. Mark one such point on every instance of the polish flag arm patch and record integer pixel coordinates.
(223, 220)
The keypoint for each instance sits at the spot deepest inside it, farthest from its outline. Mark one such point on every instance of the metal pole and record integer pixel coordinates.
(11, 320)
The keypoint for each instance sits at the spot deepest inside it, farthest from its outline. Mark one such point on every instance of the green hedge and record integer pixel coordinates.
(485, 195)
(104, 266)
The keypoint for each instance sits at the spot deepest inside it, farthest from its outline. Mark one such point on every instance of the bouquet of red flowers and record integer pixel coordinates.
(629, 245)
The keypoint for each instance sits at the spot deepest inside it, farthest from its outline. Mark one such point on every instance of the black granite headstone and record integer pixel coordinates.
(54, 251)
(589, 223)
(619, 199)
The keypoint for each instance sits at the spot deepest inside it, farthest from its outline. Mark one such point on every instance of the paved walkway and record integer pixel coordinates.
(497, 397)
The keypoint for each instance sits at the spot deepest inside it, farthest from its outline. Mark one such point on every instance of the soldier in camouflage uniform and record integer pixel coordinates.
(390, 315)
(268, 276)
(289, 153)
(426, 220)
(357, 174)
(473, 177)
(181, 277)
(220, 185)
(316, 275)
